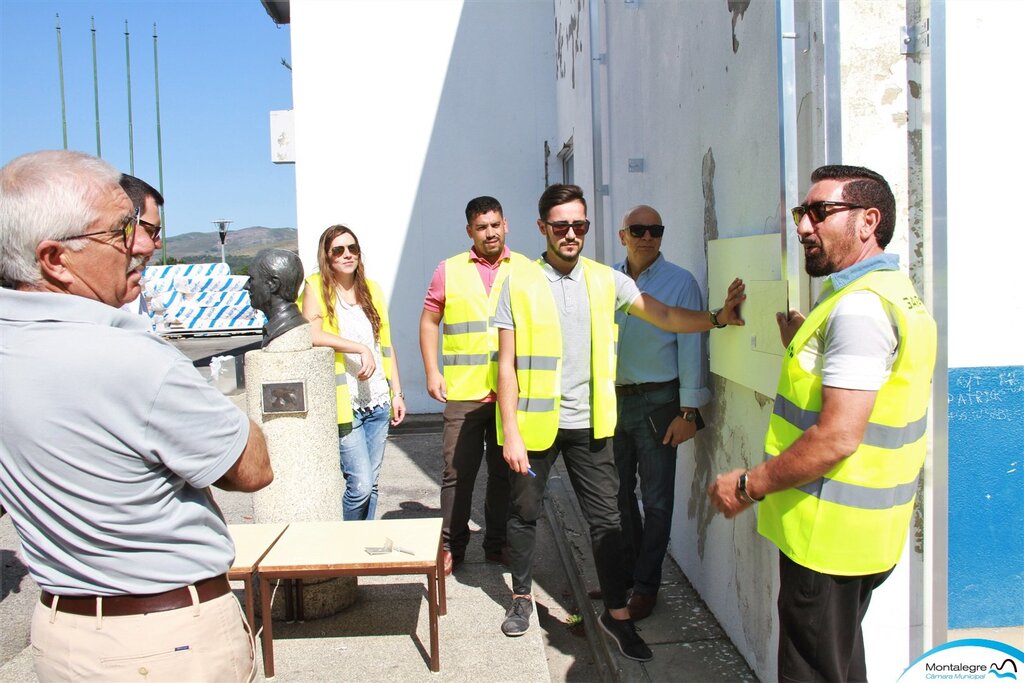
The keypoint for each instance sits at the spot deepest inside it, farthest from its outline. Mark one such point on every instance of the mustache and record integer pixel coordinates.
(136, 262)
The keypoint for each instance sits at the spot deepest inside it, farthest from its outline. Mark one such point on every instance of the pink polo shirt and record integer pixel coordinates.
(434, 301)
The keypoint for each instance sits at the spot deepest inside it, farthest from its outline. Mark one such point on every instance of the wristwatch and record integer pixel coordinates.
(688, 414)
(714, 318)
(741, 490)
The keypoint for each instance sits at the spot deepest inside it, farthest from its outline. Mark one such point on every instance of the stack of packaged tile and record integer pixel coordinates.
(193, 298)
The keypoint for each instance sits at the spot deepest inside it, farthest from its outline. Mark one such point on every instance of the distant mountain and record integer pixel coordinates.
(240, 247)
(198, 247)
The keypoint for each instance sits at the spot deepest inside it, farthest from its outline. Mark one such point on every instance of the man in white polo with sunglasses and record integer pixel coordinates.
(111, 440)
(659, 385)
(847, 438)
(556, 396)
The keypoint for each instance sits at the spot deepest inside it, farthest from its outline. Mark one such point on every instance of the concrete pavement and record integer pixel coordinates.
(385, 635)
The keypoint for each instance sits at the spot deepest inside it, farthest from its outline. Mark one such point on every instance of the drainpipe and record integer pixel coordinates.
(597, 60)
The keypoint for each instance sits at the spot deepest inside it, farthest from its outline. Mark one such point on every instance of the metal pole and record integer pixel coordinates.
(63, 103)
(128, 68)
(96, 87)
(159, 148)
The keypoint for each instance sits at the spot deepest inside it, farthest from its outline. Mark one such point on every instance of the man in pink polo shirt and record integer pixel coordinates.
(463, 292)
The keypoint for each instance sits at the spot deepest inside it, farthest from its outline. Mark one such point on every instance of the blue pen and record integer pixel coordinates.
(529, 470)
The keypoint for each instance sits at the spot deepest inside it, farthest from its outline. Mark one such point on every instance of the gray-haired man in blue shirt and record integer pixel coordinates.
(660, 383)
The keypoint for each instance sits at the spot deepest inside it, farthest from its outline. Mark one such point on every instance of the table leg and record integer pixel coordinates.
(300, 600)
(289, 600)
(435, 644)
(268, 628)
(442, 580)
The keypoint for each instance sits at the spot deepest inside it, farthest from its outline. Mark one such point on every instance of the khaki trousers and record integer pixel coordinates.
(207, 641)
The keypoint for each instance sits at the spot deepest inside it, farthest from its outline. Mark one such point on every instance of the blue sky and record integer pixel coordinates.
(220, 75)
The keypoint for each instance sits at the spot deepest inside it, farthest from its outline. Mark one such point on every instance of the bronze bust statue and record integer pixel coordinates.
(275, 276)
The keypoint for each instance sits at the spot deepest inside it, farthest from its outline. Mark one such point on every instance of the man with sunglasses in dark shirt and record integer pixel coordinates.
(659, 385)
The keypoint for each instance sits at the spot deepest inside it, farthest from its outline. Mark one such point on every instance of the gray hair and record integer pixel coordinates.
(47, 195)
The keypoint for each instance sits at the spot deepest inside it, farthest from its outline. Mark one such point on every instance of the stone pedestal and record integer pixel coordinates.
(289, 389)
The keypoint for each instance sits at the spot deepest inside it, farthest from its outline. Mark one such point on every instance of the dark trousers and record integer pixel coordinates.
(820, 618)
(469, 437)
(638, 451)
(593, 476)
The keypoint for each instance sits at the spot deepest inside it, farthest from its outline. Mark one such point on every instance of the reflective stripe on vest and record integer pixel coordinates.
(538, 333)
(853, 521)
(342, 399)
(468, 336)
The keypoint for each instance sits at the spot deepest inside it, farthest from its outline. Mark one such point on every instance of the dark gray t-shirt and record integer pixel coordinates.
(573, 304)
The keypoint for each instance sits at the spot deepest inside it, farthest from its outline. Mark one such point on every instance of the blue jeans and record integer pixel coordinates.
(362, 452)
(638, 451)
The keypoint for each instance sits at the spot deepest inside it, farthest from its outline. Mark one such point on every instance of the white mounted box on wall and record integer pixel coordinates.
(750, 355)
(282, 137)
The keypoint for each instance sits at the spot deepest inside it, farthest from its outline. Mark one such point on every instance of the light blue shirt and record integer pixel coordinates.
(650, 354)
(837, 281)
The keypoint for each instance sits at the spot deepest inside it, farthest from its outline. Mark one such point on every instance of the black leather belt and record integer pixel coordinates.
(644, 388)
(126, 605)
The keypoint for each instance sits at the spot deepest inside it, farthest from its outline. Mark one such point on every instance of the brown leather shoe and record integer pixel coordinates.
(641, 605)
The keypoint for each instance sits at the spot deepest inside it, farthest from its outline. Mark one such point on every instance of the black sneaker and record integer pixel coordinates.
(631, 645)
(517, 618)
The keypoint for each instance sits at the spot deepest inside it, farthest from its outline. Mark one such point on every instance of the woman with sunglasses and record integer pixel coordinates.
(347, 313)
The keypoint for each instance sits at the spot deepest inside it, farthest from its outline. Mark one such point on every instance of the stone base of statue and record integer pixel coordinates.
(289, 388)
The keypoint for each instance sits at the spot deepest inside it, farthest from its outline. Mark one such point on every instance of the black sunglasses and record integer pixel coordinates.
(126, 229)
(637, 230)
(561, 228)
(819, 211)
(151, 229)
(340, 249)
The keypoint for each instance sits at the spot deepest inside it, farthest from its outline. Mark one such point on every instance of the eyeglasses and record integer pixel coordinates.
(127, 229)
(818, 211)
(151, 229)
(561, 228)
(341, 248)
(637, 230)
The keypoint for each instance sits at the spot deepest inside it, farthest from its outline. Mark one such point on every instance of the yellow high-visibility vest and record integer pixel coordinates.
(469, 344)
(538, 336)
(853, 521)
(381, 306)
(341, 393)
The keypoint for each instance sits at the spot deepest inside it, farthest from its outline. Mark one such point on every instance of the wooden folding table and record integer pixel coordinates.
(327, 549)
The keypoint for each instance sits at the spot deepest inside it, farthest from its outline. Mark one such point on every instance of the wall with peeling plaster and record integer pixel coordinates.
(688, 94)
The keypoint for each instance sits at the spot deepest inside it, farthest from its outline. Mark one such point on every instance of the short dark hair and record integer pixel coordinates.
(137, 191)
(481, 205)
(558, 194)
(867, 188)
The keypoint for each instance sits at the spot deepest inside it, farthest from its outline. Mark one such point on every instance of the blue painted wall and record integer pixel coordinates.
(986, 497)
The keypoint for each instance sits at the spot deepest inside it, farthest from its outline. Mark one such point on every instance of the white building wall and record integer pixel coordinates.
(404, 111)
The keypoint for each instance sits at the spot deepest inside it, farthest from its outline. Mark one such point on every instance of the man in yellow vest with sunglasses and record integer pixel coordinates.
(556, 396)
(463, 291)
(846, 441)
